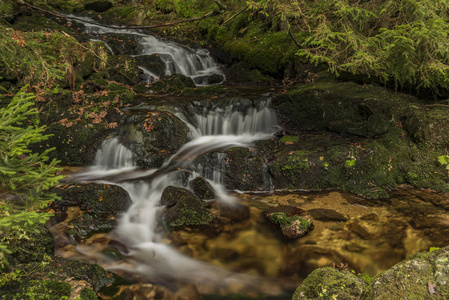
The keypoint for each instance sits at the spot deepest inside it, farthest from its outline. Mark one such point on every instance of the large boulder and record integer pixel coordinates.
(347, 108)
(423, 276)
(155, 136)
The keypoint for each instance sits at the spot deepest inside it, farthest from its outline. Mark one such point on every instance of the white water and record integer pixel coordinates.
(194, 63)
(148, 256)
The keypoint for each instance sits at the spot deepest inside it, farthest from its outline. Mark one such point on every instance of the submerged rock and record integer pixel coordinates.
(184, 208)
(293, 222)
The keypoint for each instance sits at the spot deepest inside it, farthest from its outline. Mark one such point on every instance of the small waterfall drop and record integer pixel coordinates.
(194, 63)
(212, 131)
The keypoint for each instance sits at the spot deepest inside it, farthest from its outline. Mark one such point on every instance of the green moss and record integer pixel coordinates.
(289, 139)
(88, 294)
(330, 283)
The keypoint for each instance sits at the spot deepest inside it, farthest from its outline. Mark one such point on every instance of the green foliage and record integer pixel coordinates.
(404, 42)
(24, 175)
(21, 171)
(41, 59)
(444, 160)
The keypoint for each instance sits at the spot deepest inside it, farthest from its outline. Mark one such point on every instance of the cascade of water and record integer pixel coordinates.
(178, 59)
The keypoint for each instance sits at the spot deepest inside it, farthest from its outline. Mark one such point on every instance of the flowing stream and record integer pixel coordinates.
(177, 59)
(370, 238)
(210, 131)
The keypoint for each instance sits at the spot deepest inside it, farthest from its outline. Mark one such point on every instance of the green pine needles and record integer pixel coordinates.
(23, 174)
(398, 41)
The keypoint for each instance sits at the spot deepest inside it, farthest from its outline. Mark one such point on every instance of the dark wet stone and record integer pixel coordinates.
(152, 63)
(99, 6)
(97, 198)
(89, 224)
(323, 214)
(202, 188)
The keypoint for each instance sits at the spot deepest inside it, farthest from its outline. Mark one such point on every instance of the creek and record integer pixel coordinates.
(249, 256)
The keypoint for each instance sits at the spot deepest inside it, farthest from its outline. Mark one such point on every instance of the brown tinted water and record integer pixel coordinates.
(368, 235)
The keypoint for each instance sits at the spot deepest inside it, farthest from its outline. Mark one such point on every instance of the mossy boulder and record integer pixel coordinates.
(330, 283)
(96, 198)
(423, 276)
(184, 208)
(202, 188)
(155, 136)
(171, 84)
(342, 107)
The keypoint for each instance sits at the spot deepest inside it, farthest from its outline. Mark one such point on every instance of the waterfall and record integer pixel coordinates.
(194, 63)
(215, 130)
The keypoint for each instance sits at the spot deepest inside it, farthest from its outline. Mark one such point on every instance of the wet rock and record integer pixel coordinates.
(172, 84)
(152, 63)
(89, 224)
(244, 170)
(96, 198)
(209, 79)
(293, 222)
(202, 188)
(147, 136)
(328, 282)
(184, 208)
(323, 214)
(99, 6)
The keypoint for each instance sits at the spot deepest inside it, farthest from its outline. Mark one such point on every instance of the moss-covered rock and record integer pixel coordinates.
(293, 222)
(330, 283)
(184, 208)
(152, 63)
(423, 276)
(98, 6)
(342, 107)
(240, 73)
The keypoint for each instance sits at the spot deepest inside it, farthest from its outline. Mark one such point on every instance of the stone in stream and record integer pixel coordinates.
(293, 222)
(323, 214)
(202, 188)
(184, 208)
